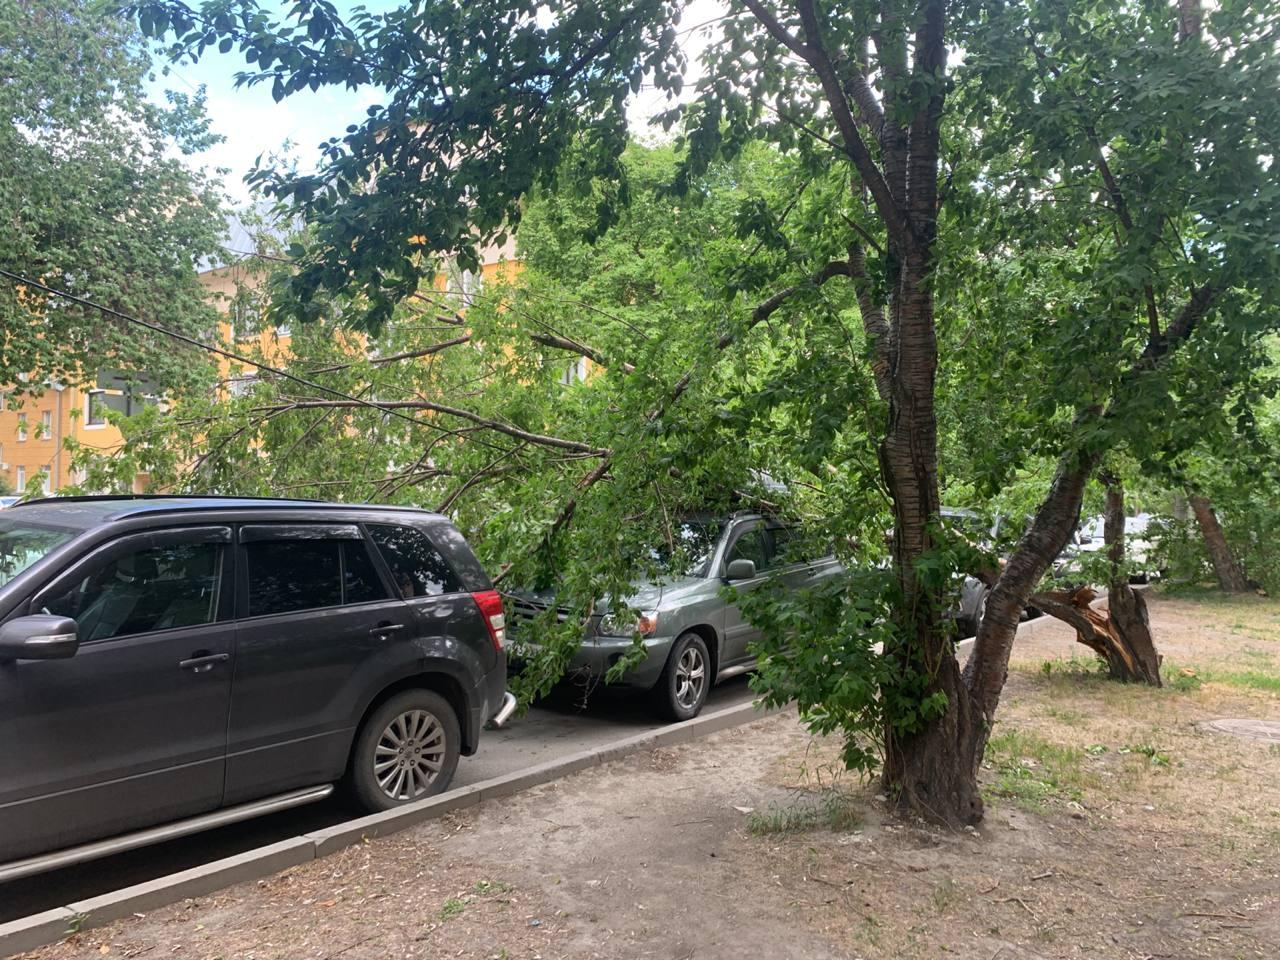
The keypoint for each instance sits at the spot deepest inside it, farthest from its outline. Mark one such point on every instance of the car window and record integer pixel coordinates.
(360, 580)
(788, 546)
(286, 576)
(693, 543)
(752, 546)
(22, 544)
(150, 589)
(416, 565)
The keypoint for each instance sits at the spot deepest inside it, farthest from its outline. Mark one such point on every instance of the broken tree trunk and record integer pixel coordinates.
(1120, 635)
(1129, 653)
(1230, 578)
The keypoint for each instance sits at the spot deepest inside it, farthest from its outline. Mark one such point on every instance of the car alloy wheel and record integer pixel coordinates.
(691, 677)
(410, 755)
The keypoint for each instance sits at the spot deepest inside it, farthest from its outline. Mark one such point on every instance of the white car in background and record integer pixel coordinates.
(1137, 547)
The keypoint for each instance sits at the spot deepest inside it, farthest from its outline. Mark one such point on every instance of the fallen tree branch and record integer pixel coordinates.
(541, 439)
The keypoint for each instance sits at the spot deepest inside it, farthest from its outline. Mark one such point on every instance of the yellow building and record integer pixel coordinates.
(33, 435)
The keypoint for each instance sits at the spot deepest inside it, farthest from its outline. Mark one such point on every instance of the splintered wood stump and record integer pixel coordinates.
(1120, 635)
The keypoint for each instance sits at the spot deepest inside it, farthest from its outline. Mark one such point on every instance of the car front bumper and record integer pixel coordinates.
(598, 654)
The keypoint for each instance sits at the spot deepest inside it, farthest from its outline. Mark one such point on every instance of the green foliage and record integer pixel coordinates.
(1157, 757)
(94, 200)
(1106, 269)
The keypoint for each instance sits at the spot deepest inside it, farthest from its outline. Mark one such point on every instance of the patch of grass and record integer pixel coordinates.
(1248, 679)
(1034, 772)
(832, 810)
(1071, 667)
(483, 887)
(453, 907)
(1157, 758)
(1182, 679)
(1065, 715)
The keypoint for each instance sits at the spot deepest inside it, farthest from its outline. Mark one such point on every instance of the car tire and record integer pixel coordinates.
(406, 750)
(686, 680)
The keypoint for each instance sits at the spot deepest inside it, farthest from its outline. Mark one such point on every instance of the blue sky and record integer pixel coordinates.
(252, 123)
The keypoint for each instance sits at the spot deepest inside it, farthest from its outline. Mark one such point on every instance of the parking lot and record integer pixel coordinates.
(554, 729)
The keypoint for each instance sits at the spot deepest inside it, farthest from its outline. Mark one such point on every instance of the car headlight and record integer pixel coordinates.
(622, 625)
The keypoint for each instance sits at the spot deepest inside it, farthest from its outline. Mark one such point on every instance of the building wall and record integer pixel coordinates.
(42, 452)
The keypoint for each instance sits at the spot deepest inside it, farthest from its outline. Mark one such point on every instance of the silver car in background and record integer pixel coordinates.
(692, 637)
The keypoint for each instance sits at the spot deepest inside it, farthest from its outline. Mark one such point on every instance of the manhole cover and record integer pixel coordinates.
(1251, 729)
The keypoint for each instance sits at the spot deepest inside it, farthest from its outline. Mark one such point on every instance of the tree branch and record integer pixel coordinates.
(498, 426)
(813, 53)
(407, 355)
(1184, 324)
(573, 346)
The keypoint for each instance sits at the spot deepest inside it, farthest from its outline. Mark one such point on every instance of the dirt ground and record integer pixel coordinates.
(1115, 828)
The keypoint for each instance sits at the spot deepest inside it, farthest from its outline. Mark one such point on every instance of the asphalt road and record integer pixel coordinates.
(553, 729)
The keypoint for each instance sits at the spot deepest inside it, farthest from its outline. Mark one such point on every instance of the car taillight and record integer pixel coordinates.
(490, 604)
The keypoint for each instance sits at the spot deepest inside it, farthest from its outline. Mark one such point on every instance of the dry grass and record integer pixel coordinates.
(1116, 829)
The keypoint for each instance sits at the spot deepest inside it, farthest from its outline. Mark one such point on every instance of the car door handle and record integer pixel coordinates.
(203, 662)
(385, 629)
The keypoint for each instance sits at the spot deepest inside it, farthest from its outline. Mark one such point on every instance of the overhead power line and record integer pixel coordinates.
(209, 348)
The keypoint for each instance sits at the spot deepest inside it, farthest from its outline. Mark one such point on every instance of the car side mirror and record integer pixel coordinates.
(41, 636)
(740, 570)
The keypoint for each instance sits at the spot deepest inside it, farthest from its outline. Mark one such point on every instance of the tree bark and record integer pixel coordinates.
(1190, 19)
(930, 772)
(1126, 642)
(1050, 529)
(1120, 636)
(1230, 577)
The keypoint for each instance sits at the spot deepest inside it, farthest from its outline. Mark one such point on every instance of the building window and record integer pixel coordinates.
(46, 425)
(575, 372)
(246, 318)
(22, 427)
(46, 483)
(242, 386)
(95, 408)
(21, 479)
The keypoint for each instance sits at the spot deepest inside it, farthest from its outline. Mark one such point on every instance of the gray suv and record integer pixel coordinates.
(692, 637)
(171, 664)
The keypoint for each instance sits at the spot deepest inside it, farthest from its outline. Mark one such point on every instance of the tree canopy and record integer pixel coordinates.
(1063, 244)
(97, 197)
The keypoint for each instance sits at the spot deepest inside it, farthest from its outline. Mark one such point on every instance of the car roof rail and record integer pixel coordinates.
(128, 497)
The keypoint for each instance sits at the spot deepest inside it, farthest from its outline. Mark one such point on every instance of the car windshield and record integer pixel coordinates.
(22, 544)
(693, 543)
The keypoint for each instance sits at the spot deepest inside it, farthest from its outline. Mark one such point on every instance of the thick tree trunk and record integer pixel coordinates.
(932, 772)
(1190, 19)
(1130, 651)
(1230, 577)
(1051, 528)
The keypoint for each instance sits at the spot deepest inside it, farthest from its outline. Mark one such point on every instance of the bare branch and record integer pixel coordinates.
(573, 346)
(407, 355)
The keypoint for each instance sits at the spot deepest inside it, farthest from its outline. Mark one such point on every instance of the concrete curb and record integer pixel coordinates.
(40, 929)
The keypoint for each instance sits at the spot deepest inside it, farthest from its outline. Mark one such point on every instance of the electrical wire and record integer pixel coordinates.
(192, 341)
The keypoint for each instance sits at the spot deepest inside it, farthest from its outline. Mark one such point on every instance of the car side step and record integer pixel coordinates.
(169, 831)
